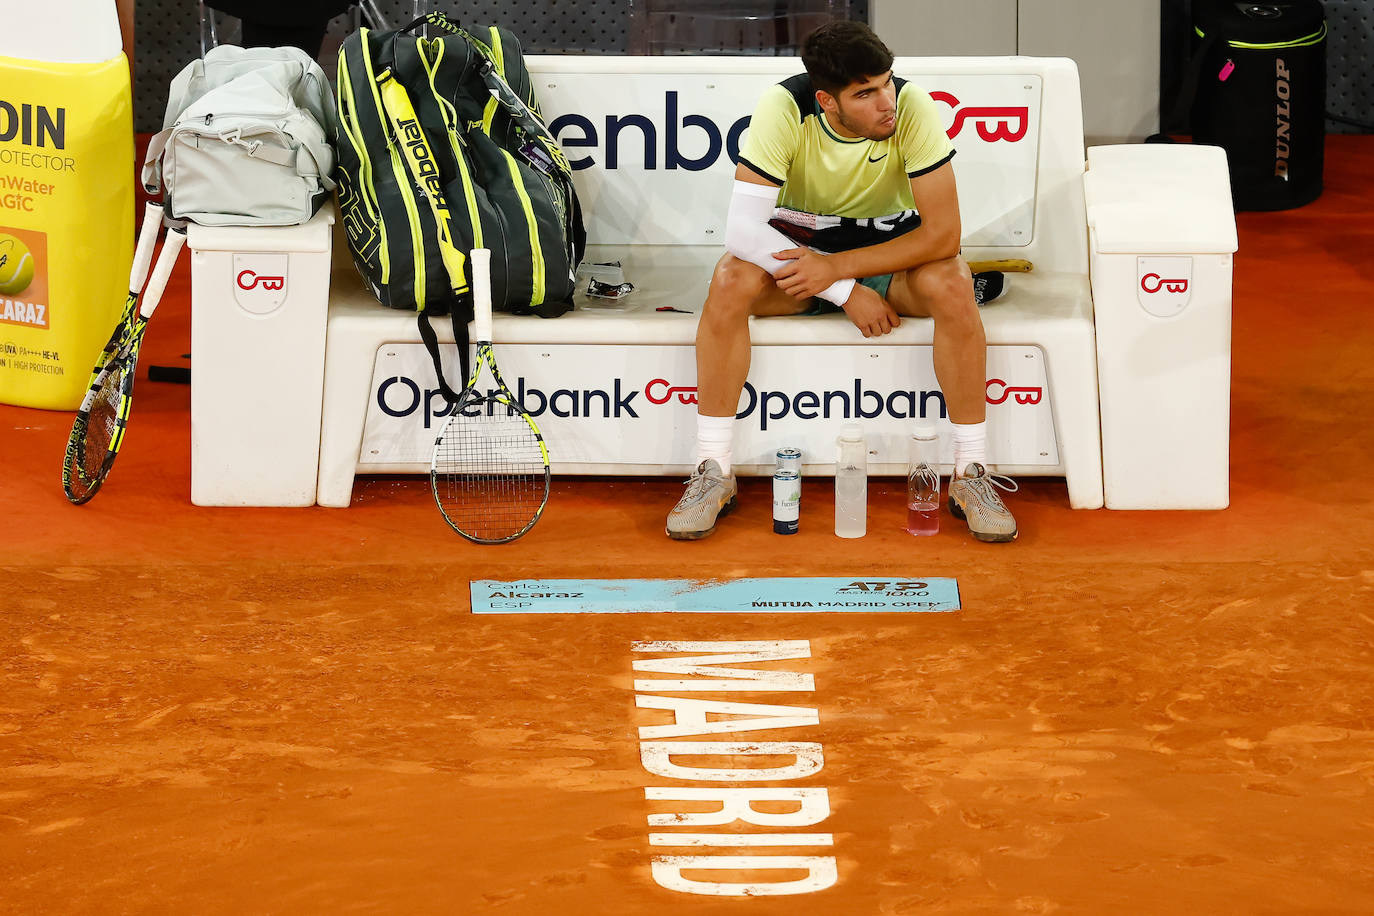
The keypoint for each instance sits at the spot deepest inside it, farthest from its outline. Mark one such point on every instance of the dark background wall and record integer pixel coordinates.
(169, 31)
(1350, 63)
(169, 35)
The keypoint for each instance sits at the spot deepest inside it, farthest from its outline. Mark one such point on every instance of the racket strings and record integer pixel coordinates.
(94, 432)
(491, 478)
(76, 479)
(103, 422)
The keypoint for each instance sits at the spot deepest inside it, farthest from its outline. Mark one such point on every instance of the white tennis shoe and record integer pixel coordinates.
(710, 495)
(973, 499)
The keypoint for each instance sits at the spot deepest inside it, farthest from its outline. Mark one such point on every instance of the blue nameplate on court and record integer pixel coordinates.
(697, 596)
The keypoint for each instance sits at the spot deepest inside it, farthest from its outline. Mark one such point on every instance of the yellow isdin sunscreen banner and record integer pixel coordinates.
(66, 223)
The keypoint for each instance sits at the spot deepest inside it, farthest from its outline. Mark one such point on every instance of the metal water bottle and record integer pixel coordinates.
(787, 491)
(786, 501)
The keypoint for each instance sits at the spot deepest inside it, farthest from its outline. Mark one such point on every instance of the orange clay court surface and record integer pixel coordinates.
(294, 711)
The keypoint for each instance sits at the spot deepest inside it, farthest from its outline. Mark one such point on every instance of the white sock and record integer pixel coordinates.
(714, 436)
(970, 444)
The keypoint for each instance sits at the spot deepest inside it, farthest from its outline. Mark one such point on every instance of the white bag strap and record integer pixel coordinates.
(152, 161)
(256, 149)
(187, 86)
(310, 165)
(320, 164)
(311, 160)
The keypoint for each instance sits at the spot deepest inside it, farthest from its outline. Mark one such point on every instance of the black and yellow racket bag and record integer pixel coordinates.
(442, 149)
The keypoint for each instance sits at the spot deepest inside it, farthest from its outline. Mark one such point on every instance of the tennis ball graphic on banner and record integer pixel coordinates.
(16, 265)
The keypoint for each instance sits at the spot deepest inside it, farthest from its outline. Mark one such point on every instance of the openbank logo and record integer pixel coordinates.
(259, 281)
(640, 132)
(1164, 285)
(1153, 283)
(997, 392)
(401, 397)
(992, 122)
(249, 280)
(577, 132)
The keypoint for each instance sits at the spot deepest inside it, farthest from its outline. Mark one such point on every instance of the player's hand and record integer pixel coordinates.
(808, 273)
(870, 312)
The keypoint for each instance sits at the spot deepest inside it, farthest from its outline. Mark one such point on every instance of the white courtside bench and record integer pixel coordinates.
(612, 384)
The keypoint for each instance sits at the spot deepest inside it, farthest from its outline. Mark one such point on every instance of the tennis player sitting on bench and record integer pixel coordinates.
(843, 139)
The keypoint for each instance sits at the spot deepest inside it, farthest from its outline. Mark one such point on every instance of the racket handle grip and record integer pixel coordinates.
(171, 248)
(481, 293)
(147, 240)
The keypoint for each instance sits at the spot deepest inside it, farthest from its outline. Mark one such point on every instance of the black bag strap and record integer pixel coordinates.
(431, 340)
(435, 18)
(1180, 116)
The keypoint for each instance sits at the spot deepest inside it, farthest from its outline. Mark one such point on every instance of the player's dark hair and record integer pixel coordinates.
(843, 52)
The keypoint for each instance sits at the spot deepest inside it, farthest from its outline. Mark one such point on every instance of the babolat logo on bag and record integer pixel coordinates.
(414, 139)
(364, 239)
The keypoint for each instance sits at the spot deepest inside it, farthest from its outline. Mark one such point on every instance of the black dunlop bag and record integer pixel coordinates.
(441, 150)
(1260, 71)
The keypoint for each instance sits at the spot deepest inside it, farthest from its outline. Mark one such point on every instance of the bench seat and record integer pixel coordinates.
(1052, 312)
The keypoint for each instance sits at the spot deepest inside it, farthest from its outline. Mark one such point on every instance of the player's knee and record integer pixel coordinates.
(739, 279)
(735, 286)
(943, 281)
(947, 289)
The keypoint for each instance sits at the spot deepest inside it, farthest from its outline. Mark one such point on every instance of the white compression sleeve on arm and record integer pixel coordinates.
(749, 237)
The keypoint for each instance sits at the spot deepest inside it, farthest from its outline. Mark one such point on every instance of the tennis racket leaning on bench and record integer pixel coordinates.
(98, 430)
(490, 473)
(138, 273)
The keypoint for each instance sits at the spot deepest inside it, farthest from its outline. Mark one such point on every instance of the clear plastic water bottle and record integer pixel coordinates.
(923, 482)
(851, 483)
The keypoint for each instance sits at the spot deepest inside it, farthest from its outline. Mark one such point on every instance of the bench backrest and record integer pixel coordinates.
(654, 141)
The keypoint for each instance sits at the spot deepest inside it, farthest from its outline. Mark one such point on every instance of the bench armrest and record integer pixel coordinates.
(1159, 199)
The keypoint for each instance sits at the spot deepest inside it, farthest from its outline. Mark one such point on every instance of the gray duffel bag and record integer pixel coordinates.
(245, 139)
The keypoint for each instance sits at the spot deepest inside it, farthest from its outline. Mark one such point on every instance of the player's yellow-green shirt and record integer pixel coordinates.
(790, 142)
